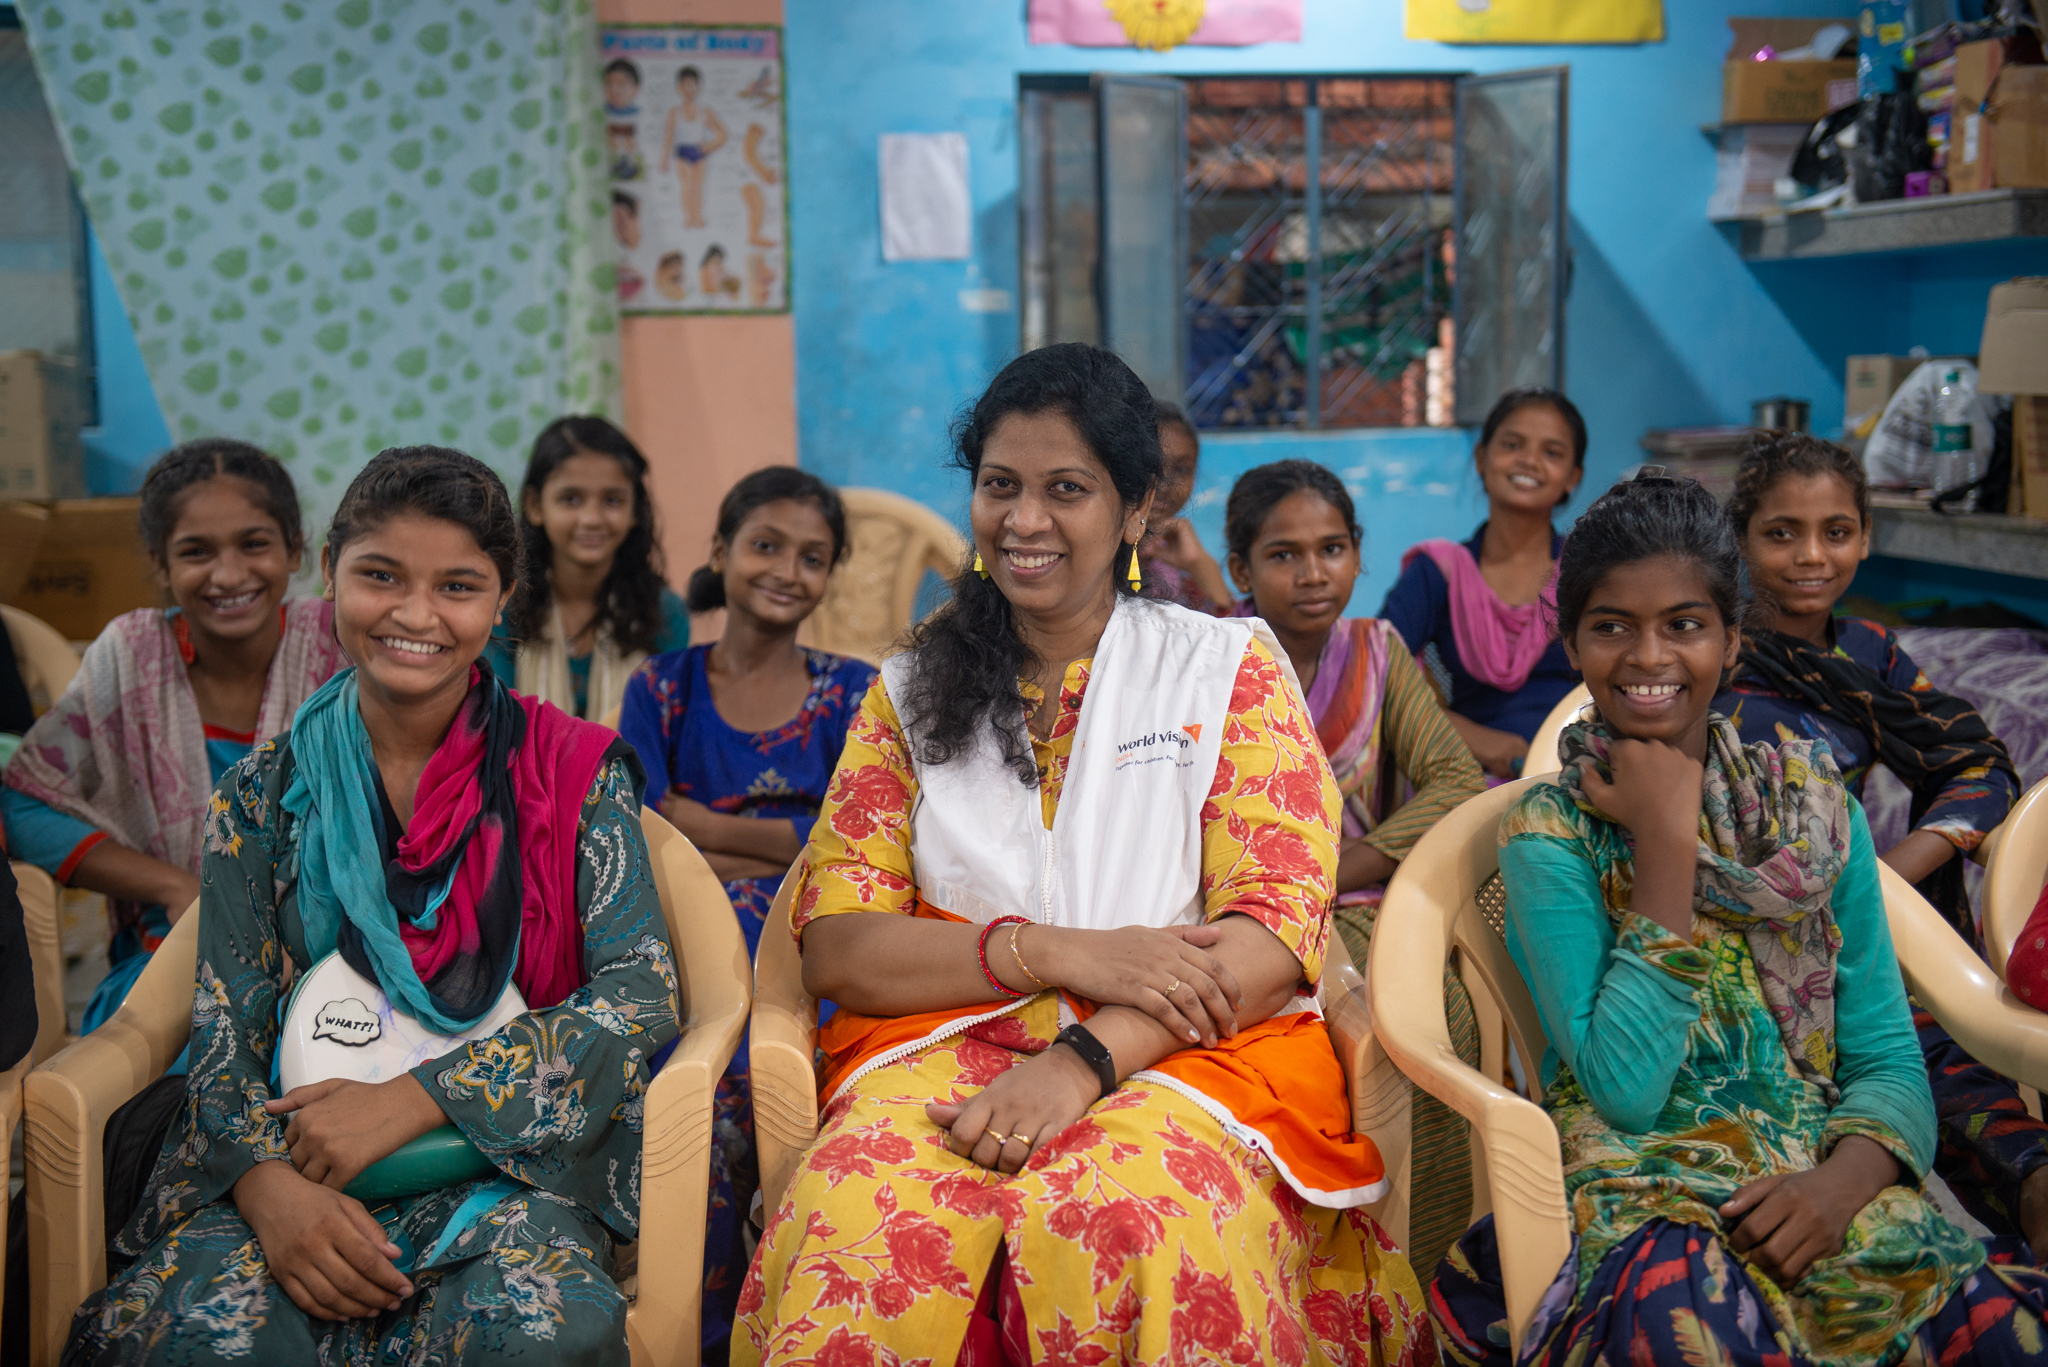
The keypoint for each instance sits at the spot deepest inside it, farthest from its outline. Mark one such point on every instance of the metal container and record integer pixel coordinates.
(1781, 414)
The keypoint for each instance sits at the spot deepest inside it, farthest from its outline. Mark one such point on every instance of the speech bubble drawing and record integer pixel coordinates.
(347, 1022)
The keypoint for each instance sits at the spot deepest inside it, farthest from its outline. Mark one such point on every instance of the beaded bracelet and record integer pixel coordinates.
(981, 953)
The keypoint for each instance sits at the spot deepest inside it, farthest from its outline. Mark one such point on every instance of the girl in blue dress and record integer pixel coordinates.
(1477, 606)
(739, 739)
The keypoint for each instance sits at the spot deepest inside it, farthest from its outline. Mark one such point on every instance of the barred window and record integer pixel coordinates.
(1220, 283)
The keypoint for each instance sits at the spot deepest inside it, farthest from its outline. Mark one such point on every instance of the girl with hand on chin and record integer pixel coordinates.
(1802, 509)
(739, 739)
(595, 604)
(1479, 605)
(1069, 889)
(1744, 1121)
(1400, 767)
(447, 837)
(108, 790)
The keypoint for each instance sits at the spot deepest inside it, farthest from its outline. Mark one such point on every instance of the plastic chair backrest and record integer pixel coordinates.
(1543, 745)
(871, 598)
(1446, 900)
(2015, 873)
(39, 916)
(46, 660)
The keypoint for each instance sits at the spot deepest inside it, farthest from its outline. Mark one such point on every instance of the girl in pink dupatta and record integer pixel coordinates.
(109, 788)
(1399, 764)
(1474, 612)
(445, 836)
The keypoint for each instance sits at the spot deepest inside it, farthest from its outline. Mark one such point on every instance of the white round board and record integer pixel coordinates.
(340, 1024)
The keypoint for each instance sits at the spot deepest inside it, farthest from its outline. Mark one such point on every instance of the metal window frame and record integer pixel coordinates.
(1561, 264)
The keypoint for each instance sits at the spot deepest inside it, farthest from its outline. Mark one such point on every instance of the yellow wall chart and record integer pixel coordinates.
(1537, 21)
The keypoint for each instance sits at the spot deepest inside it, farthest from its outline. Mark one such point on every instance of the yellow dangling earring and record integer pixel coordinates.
(980, 568)
(1137, 579)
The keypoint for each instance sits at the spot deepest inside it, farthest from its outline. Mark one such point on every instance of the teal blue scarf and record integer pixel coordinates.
(334, 797)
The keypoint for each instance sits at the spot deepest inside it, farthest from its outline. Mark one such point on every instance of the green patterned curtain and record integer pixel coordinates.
(343, 225)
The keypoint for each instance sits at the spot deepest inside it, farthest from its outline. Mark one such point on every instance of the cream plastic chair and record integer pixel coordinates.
(1543, 745)
(70, 1097)
(2015, 859)
(1446, 900)
(46, 659)
(785, 1086)
(10, 1116)
(871, 599)
(39, 894)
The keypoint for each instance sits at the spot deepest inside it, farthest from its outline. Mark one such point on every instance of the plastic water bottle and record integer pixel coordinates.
(1956, 463)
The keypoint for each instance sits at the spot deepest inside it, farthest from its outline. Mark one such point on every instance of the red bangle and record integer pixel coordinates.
(981, 953)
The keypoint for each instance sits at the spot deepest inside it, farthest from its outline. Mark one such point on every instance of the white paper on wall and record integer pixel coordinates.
(925, 208)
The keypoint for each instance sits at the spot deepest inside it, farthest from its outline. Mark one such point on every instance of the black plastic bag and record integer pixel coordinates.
(1891, 143)
(1820, 163)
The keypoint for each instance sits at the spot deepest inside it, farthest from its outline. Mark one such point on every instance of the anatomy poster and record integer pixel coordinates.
(694, 138)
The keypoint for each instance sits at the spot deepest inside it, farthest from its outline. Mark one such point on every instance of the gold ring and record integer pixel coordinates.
(997, 1135)
(1172, 985)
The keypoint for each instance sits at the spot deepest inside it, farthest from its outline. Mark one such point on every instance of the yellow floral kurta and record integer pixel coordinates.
(1143, 1233)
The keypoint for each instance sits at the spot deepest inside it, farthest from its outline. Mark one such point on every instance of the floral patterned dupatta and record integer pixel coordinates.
(1774, 837)
(1346, 700)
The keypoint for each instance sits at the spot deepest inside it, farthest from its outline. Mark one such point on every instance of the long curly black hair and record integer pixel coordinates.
(629, 600)
(968, 653)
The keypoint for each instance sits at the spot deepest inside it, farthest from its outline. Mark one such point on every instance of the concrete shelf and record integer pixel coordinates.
(1897, 225)
(1975, 541)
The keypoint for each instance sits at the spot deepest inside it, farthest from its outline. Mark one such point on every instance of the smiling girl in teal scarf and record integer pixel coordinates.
(446, 836)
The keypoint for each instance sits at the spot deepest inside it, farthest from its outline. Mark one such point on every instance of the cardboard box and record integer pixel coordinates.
(41, 456)
(1747, 165)
(1872, 380)
(2030, 450)
(2000, 135)
(91, 568)
(1781, 92)
(2013, 356)
(22, 526)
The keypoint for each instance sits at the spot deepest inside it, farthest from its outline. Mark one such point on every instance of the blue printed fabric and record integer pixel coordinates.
(781, 775)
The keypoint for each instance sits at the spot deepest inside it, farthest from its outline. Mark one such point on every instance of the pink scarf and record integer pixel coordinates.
(1498, 645)
(124, 750)
(550, 771)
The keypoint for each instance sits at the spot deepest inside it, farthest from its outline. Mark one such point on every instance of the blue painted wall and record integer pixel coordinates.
(1666, 326)
(132, 432)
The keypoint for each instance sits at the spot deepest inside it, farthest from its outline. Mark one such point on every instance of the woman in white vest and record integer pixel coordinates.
(1069, 889)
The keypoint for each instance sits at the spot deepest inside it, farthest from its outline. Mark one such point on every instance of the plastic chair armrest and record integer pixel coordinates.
(1983, 1015)
(675, 1174)
(1524, 1165)
(66, 1104)
(10, 1115)
(785, 1092)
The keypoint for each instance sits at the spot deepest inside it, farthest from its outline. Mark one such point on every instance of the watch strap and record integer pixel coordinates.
(1093, 1053)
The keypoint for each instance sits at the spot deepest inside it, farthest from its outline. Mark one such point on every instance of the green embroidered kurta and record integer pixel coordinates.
(1671, 1087)
(554, 1099)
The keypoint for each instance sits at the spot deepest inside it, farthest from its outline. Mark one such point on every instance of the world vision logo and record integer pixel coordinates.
(1155, 747)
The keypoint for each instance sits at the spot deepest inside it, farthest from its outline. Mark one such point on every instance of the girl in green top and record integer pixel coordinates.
(1744, 1119)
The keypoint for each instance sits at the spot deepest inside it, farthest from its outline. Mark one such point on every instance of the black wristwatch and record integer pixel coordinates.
(1092, 1053)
